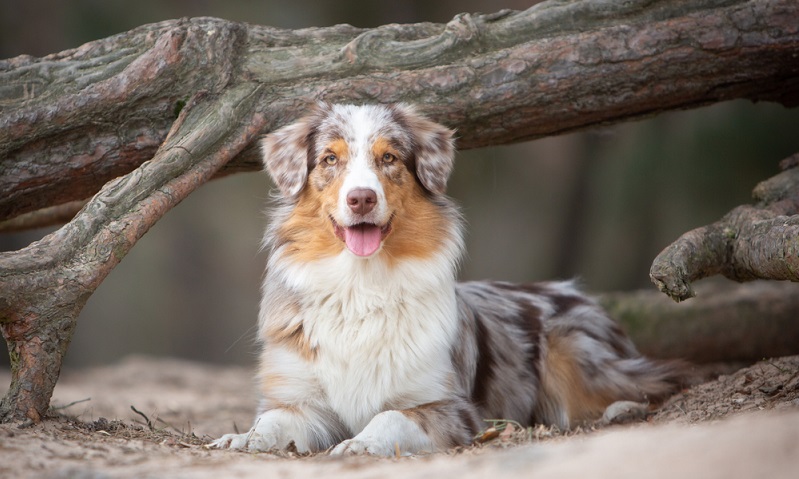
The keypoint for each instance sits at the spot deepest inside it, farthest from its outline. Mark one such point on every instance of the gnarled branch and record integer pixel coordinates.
(47, 284)
(74, 120)
(760, 241)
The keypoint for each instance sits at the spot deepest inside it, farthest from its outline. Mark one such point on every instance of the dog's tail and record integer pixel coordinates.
(588, 363)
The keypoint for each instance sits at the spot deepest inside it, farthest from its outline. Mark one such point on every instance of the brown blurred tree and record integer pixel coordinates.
(141, 119)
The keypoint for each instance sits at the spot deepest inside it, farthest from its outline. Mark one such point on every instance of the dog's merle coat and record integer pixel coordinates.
(370, 345)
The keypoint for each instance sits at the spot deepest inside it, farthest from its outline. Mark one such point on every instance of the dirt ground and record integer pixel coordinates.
(744, 423)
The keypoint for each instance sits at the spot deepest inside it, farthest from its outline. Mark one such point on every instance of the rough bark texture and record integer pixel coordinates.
(726, 322)
(45, 285)
(191, 95)
(758, 241)
(74, 120)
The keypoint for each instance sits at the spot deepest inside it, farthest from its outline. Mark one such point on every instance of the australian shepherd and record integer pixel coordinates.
(370, 345)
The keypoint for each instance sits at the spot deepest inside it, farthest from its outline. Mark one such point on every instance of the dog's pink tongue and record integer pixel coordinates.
(362, 239)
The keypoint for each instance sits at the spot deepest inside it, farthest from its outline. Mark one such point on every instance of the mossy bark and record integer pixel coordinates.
(726, 322)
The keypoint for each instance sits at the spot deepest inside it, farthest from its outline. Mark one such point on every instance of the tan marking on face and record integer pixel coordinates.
(380, 147)
(338, 147)
(308, 231)
(418, 229)
(324, 173)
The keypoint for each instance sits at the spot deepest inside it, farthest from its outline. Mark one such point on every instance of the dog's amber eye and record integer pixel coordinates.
(388, 158)
(331, 160)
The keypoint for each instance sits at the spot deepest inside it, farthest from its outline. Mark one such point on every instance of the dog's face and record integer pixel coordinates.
(361, 178)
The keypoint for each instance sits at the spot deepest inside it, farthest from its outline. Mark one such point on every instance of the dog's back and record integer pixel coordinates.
(546, 353)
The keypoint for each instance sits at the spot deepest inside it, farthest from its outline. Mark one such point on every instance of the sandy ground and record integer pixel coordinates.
(741, 424)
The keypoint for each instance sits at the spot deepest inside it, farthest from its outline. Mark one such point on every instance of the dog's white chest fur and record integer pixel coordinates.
(382, 333)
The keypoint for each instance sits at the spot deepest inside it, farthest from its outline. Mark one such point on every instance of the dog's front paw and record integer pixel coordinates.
(252, 441)
(230, 441)
(368, 445)
(275, 429)
(390, 433)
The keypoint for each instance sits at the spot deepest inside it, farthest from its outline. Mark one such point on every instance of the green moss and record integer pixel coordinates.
(120, 250)
(179, 107)
(14, 358)
(634, 322)
(632, 319)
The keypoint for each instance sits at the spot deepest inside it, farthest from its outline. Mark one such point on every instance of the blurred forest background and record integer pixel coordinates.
(598, 205)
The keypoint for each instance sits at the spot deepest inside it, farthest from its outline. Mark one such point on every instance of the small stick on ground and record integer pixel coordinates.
(58, 408)
(149, 423)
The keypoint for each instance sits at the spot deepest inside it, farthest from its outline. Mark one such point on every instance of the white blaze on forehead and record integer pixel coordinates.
(361, 127)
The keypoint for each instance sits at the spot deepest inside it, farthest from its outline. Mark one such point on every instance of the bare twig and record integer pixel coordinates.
(58, 408)
(146, 419)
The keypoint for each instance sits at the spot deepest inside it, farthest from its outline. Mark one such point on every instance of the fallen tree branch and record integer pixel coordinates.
(72, 121)
(46, 285)
(760, 241)
(726, 322)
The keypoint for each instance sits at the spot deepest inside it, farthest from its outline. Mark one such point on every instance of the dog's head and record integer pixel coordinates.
(360, 173)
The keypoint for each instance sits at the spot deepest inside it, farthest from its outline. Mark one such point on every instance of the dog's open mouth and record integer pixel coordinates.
(363, 239)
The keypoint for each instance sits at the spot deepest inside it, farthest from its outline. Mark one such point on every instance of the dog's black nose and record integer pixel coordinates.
(361, 200)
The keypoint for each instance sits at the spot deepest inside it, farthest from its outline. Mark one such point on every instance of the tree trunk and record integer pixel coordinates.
(190, 96)
(46, 285)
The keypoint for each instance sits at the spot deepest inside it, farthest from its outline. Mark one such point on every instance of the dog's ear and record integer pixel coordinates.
(433, 146)
(285, 153)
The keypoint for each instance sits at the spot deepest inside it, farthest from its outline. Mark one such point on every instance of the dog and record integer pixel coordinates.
(370, 344)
